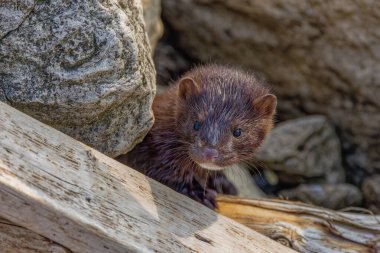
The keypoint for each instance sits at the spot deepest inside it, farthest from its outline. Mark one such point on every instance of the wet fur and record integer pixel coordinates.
(222, 99)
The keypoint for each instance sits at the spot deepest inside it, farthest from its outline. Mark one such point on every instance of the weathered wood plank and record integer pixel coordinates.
(88, 202)
(14, 238)
(304, 227)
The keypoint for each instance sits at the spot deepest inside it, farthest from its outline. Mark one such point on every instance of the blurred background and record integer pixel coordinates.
(321, 59)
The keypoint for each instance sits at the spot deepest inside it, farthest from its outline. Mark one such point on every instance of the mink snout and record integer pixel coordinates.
(205, 154)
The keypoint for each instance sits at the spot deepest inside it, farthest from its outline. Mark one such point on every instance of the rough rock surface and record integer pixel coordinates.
(333, 196)
(170, 64)
(321, 56)
(152, 18)
(82, 67)
(371, 192)
(302, 149)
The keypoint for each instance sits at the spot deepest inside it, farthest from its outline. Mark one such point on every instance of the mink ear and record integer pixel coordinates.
(187, 88)
(266, 105)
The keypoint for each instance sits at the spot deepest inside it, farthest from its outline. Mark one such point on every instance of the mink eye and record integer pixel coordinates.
(197, 126)
(237, 132)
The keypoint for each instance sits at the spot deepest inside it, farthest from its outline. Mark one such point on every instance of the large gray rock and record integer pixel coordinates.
(321, 56)
(82, 67)
(153, 23)
(170, 64)
(333, 196)
(371, 192)
(302, 149)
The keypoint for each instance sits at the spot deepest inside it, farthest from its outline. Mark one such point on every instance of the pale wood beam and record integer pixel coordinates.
(88, 202)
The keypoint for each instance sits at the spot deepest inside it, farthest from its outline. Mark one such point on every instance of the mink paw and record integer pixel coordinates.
(206, 192)
(199, 194)
(205, 197)
(221, 185)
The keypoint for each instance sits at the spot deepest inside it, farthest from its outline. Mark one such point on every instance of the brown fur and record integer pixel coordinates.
(221, 99)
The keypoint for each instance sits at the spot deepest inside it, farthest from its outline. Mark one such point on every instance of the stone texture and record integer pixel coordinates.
(322, 57)
(302, 149)
(333, 196)
(82, 67)
(153, 23)
(169, 62)
(371, 192)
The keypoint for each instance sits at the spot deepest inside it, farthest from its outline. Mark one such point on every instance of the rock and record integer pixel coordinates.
(84, 68)
(153, 23)
(333, 196)
(302, 149)
(371, 192)
(169, 62)
(322, 57)
(12, 14)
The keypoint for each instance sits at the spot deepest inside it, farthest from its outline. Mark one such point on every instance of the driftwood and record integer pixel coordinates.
(14, 238)
(306, 228)
(88, 202)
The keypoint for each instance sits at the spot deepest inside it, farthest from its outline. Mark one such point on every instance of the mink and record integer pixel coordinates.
(211, 119)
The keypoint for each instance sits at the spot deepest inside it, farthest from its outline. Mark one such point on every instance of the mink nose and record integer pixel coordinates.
(210, 154)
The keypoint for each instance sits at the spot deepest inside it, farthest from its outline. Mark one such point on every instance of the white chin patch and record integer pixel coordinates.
(209, 166)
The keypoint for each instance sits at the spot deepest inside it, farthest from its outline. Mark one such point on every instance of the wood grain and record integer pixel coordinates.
(304, 227)
(14, 238)
(88, 202)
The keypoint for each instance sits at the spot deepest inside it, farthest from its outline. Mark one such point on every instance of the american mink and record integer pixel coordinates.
(211, 119)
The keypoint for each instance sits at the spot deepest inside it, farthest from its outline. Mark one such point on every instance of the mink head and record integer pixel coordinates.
(223, 115)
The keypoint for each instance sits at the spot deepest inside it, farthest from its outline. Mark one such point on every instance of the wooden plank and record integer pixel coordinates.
(88, 202)
(14, 238)
(304, 227)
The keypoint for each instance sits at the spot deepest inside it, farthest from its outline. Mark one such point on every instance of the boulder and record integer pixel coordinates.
(333, 196)
(322, 57)
(302, 149)
(153, 23)
(170, 63)
(371, 192)
(83, 67)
